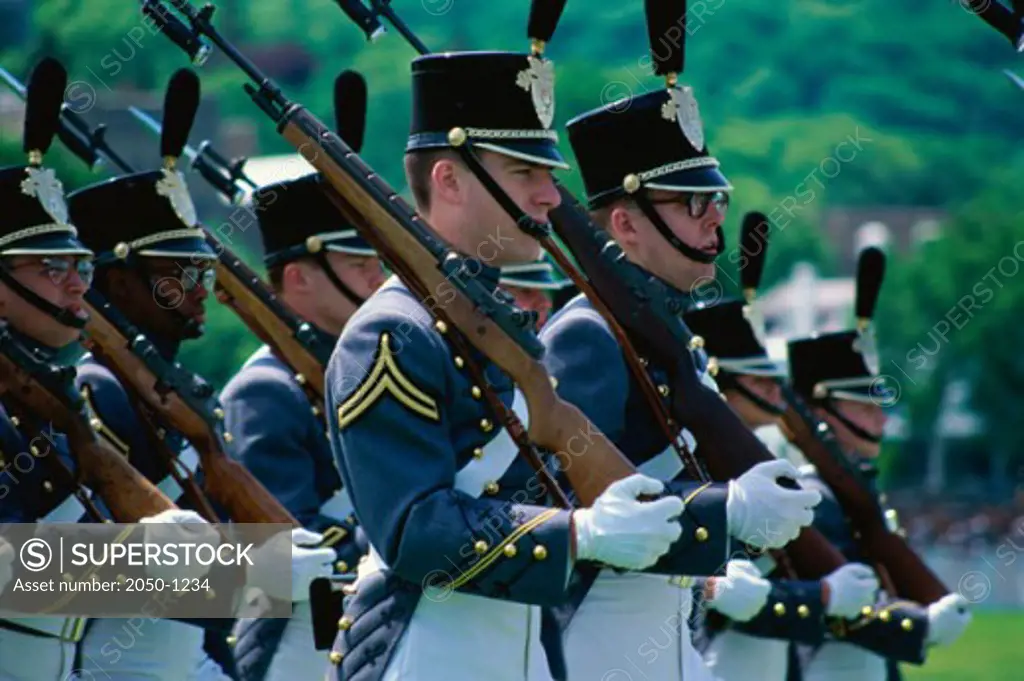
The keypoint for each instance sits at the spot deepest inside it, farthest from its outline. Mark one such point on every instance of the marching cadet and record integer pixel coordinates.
(795, 610)
(653, 186)
(464, 547)
(837, 374)
(322, 270)
(154, 266)
(533, 284)
(45, 271)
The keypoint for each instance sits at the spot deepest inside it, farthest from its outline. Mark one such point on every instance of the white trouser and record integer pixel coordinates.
(468, 638)
(25, 657)
(844, 662)
(633, 627)
(142, 648)
(296, 658)
(735, 656)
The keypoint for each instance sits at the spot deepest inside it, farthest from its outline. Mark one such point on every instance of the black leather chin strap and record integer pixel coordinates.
(538, 230)
(728, 381)
(42, 304)
(830, 406)
(659, 224)
(325, 265)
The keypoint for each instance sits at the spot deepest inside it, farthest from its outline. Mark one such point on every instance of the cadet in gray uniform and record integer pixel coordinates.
(652, 185)
(464, 545)
(155, 267)
(837, 374)
(45, 271)
(321, 269)
(533, 284)
(795, 610)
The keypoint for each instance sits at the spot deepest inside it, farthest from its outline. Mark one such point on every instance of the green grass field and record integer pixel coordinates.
(992, 649)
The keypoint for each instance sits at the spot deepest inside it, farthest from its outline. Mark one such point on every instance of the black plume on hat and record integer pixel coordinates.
(666, 30)
(350, 100)
(870, 272)
(544, 16)
(754, 245)
(180, 105)
(42, 105)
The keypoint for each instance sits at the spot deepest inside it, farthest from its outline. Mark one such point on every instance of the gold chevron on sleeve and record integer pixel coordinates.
(386, 377)
(99, 426)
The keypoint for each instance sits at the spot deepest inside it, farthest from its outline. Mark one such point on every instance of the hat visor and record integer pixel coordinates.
(693, 180)
(347, 241)
(188, 247)
(540, 151)
(58, 243)
(542, 285)
(350, 249)
(766, 367)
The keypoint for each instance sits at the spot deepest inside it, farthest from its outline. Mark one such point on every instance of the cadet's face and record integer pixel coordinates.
(532, 299)
(531, 187)
(363, 275)
(768, 389)
(866, 416)
(652, 252)
(57, 280)
(182, 287)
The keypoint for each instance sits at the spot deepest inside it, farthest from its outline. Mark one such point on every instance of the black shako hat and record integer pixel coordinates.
(501, 101)
(654, 141)
(297, 219)
(734, 338)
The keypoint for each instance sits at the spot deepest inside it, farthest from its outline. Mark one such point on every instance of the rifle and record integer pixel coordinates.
(651, 314)
(908, 575)
(433, 269)
(239, 287)
(185, 402)
(47, 391)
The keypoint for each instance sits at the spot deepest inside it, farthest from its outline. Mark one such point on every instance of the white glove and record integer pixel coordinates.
(176, 526)
(6, 561)
(947, 619)
(742, 593)
(306, 564)
(850, 588)
(620, 531)
(762, 513)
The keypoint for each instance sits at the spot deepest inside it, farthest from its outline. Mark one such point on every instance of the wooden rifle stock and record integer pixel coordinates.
(240, 288)
(395, 230)
(911, 577)
(225, 480)
(128, 494)
(727, 447)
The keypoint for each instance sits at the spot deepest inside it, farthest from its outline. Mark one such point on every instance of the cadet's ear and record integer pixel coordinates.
(295, 276)
(447, 182)
(621, 226)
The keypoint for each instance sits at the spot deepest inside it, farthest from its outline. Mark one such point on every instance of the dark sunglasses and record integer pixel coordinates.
(699, 202)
